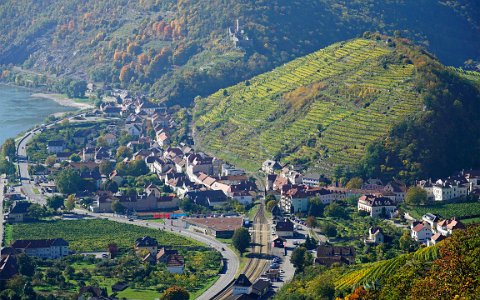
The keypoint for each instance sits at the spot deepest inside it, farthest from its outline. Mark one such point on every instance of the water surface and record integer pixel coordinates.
(20, 111)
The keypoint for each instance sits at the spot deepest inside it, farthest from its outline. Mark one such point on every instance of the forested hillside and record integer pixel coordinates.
(337, 106)
(448, 270)
(177, 50)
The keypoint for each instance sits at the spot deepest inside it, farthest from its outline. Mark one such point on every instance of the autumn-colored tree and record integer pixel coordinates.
(456, 274)
(134, 49)
(175, 293)
(69, 203)
(143, 59)
(126, 74)
(117, 56)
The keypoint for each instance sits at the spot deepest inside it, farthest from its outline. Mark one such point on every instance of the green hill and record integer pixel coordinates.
(176, 50)
(322, 110)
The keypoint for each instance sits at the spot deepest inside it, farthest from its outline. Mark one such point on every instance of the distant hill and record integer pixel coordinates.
(176, 50)
(350, 105)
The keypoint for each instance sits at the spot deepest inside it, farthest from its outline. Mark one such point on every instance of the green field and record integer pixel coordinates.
(323, 108)
(447, 210)
(93, 235)
(201, 263)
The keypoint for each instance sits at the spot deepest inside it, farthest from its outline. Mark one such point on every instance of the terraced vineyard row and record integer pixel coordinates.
(362, 96)
(376, 271)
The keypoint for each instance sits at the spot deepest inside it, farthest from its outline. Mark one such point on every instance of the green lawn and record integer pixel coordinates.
(447, 210)
(36, 191)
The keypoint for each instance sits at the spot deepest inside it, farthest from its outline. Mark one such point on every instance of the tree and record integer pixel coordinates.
(310, 243)
(334, 210)
(241, 239)
(123, 152)
(111, 186)
(9, 149)
(70, 203)
(75, 157)
(117, 207)
(355, 183)
(55, 202)
(175, 293)
(301, 258)
(26, 265)
(113, 250)
(311, 222)
(50, 160)
(271, 204)
(76, 89)
(329, 230)
(416, 196)
(36, 211)
(7, 167)
(315, 207)
(106, 167)
(68, 181)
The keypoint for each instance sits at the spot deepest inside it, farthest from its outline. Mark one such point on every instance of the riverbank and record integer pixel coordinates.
(64, 101)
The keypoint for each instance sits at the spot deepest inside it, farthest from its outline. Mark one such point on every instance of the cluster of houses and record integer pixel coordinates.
(432, 229)
(459, 185)
(149, 251)
(205, 180)
(294, 190)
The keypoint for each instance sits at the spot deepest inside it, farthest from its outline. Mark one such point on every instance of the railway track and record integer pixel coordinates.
(259, 257)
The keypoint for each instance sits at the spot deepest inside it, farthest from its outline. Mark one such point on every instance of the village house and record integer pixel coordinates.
(229, 170)
(328, 255)
(295, 198)
(199, 163)
(163, 254)
(449, 189)
(270, 166)
(242, 285)
(175, 264)
(373, 184)
(110, 139)
(421, 232)
(446, 227)
(220, 227)
(146, 244)
(44, 248)
(375, 236)
(80, 137)
(399, 189)
(313, 179)
(63, 156)
(163, 139)
(18, 211)
(56, 146)
(431, 219)
(134, 129)
(284, 228)
(377, 206)
(436, 238)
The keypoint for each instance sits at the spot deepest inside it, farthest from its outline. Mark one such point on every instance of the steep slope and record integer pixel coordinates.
(424, 274)
(177, 50)
(321, 110)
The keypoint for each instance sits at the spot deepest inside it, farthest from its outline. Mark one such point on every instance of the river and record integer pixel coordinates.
(20, 111)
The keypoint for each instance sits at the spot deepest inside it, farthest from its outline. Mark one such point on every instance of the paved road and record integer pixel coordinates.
(2, 184)
(230, 259)
(26, 184)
